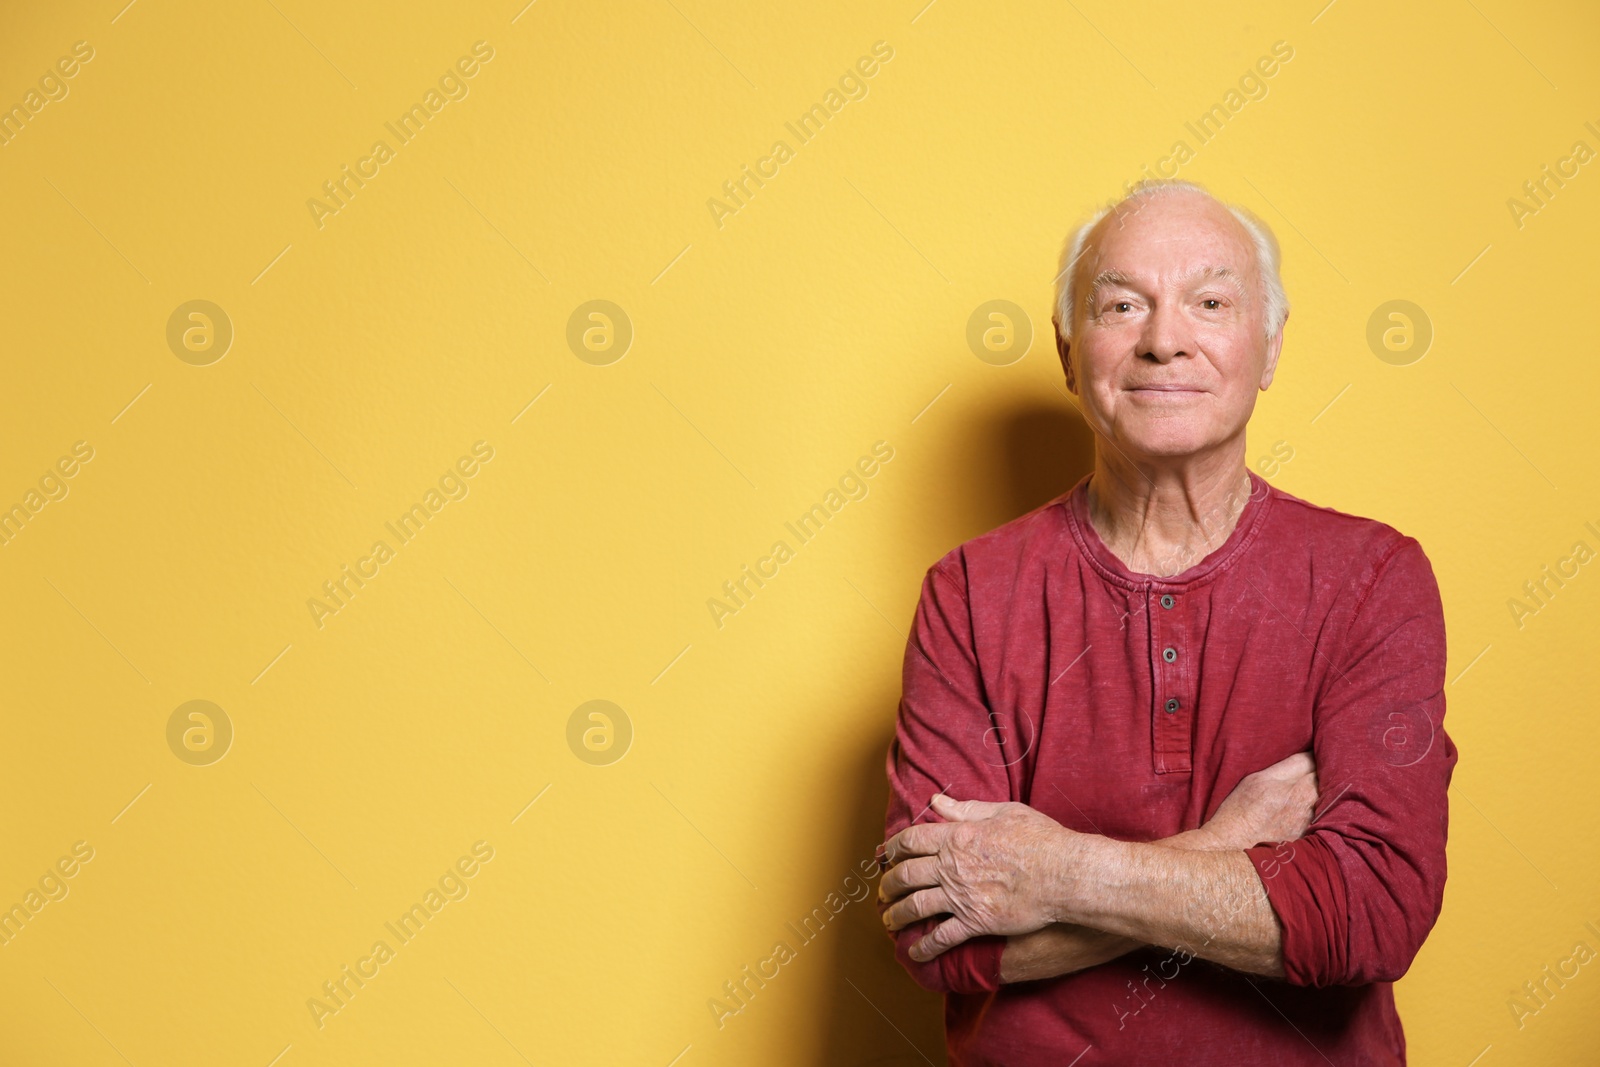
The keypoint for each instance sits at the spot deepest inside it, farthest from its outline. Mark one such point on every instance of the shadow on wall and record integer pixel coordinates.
(997, 469)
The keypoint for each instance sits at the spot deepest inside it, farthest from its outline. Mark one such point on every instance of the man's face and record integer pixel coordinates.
(1170, 349)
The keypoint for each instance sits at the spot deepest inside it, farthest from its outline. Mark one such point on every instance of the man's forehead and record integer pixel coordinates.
(1174, 226)
(1129, 273)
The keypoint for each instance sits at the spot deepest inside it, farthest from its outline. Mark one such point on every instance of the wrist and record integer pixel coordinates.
(1086, 860)
(1202, 839)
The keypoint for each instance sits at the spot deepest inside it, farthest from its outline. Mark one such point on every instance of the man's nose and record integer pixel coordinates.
(1166, 335)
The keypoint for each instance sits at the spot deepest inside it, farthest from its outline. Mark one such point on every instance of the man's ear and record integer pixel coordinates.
(1063, 349)
(1274, 350)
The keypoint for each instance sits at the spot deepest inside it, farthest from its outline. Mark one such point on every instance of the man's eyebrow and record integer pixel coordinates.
(1219, 273)
(1111, 276)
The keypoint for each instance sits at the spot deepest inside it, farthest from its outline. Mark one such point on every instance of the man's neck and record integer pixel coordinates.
(1163, 517)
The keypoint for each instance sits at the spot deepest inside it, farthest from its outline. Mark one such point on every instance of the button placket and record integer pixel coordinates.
(1174, 718)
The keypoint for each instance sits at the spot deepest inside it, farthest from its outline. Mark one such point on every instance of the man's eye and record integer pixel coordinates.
(1120, 304)
(1211, 300)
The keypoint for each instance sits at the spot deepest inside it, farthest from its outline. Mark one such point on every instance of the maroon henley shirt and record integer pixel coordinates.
(1042, 670)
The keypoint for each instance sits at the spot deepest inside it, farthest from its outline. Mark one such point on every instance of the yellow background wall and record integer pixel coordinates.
(771, 347)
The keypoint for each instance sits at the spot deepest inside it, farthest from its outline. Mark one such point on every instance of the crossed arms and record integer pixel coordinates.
(1070, 900)
(999, 892)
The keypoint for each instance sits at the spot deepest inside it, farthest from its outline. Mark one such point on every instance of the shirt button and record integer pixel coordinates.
(1169, 654)
(1171, 705)
(1166, 600)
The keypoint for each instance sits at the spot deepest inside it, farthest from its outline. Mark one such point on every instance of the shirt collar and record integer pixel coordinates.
(1076, 506)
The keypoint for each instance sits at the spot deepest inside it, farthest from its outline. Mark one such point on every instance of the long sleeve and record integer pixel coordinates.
(1359, 893)
(945, 741)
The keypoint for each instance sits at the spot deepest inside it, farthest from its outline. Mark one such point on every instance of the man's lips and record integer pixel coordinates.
(1164, 389)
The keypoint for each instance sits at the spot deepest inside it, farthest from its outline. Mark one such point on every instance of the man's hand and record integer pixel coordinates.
(1060, 948)
(1269, 805)
(999, 874)
(992, 868)
(1273, 804)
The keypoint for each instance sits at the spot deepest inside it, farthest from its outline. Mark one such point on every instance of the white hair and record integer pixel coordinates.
(1275, 302)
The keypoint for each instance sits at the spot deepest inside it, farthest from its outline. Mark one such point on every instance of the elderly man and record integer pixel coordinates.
(1119, 710)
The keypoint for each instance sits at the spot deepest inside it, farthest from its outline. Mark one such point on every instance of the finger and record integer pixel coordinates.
(947, 935)
(914, 873)
(965, 810)
(919, 905)
(1291, 767)
(1312, 790)
(923, 839)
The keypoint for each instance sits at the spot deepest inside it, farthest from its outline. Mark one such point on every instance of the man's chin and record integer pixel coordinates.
(1166, 439)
